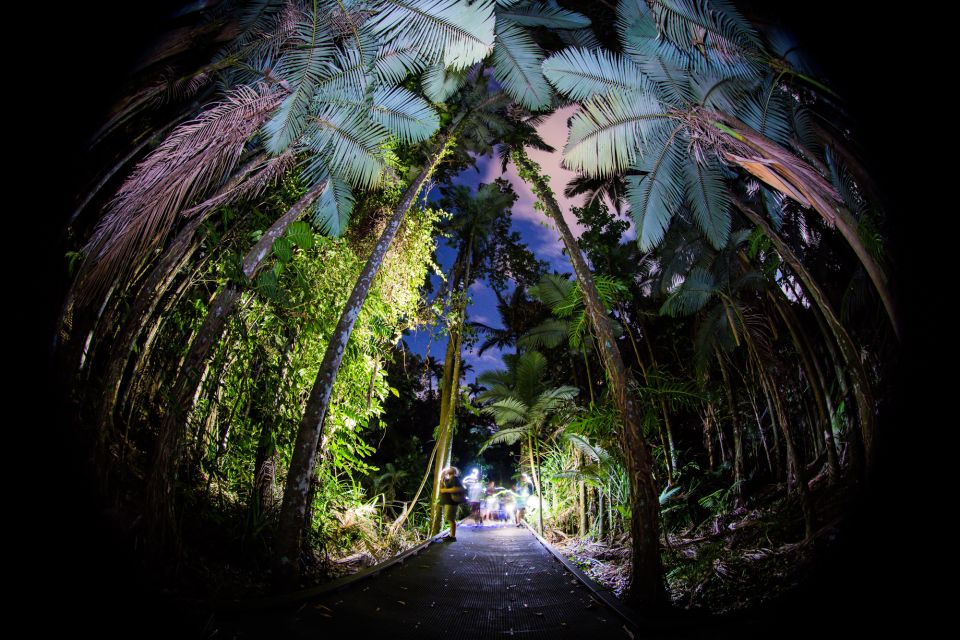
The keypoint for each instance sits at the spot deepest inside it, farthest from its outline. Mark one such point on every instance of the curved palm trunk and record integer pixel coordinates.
(815, 379)
(155, 287)
(788, 174)
(295, 494)
(646, 574)
(848, 350)
(161, 482)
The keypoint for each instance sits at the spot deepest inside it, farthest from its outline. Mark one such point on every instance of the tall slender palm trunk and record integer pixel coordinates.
(646, 573)
(295, 496)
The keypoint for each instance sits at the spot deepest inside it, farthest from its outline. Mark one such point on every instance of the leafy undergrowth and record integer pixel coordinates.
(730, 561)
(225, 556)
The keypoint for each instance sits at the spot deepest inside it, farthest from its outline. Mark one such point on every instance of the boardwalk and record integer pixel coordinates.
(492, 582)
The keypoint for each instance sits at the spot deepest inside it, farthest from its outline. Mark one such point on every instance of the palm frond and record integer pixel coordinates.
(195, 157)
(397, 60)
(605, 134)
(439, 83)
(252, 183)
(655, 196)
(301, 68)
(508, 410)
(552, 290)
(583, 444)
(550, 333)
(582, 73)
(331, 211)
(713, 28)
(450, 32)
(582, 38)
(404, 114)
(531, 368)
(553, 398)
(511, 435)
(696, 290)
(769, 112)
(347, 144)
(516, 66)
(346, 73)
(709, 200)
(543, 14)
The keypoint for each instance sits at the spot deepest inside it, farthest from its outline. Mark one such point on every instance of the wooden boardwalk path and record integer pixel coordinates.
(492, 582)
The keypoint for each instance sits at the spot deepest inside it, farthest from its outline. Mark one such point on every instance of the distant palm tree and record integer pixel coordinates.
(523, 405)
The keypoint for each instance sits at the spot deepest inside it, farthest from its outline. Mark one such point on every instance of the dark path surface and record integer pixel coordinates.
(492, 582)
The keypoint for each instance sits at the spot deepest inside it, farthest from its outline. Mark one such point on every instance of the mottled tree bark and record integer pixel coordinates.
(646, 574)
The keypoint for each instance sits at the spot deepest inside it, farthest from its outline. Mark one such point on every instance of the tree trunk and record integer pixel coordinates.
(646, 584)
(858, 377)
(459, 281)
(301, 464)
(161, 278)
(738, 464)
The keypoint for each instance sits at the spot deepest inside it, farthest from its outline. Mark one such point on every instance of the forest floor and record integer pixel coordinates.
(731, 561)
(718, 564)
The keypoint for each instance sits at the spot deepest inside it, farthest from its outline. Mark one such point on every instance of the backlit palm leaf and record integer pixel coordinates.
(605, 133)
(516, 66)
(405, 114)
(450, 32)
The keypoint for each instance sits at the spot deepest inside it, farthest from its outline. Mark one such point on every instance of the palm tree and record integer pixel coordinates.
(334, 104)
(696, 75)
(732, 321)
(646, 571)
(523, 405)
(477, 107)
(471, 231)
